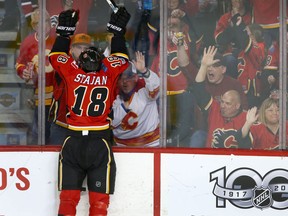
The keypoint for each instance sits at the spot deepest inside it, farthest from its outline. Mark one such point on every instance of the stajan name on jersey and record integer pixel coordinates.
(91, 80)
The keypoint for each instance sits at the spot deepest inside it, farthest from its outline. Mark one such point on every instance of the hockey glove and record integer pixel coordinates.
(67, 22)
(118, 21)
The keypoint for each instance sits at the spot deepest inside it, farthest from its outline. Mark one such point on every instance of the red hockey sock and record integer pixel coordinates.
(99, 203)
(68, 202)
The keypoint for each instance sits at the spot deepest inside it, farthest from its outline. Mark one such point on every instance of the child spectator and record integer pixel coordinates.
(224, 35)
(251, 60)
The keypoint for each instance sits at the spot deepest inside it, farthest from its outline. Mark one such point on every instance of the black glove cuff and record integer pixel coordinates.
(118, 45)
(62, 44)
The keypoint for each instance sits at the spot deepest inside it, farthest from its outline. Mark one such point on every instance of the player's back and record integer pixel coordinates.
(89, 95)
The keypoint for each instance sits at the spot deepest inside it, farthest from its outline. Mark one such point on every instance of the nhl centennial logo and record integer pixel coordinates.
(246, 188)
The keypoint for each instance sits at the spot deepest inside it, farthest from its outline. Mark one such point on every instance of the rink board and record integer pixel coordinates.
(155, 182)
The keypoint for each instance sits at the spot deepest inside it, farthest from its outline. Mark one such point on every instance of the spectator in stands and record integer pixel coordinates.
(224, 118)
(266, 13)
(58, 110)
(261, 129)
(136, 118)
(249, 41)
(224, 34)
(179, 103)
(54, 7)
(205, 20)
(183, 9)
(178, 9)
(270, 75)
(27, 67)
(251, 60)
(216, 84)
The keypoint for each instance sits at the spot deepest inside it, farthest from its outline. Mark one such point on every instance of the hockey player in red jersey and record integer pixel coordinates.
(58, 110)
(90, 88)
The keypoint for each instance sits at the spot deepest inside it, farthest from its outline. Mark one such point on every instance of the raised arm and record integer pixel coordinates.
(117, 26)
(251, 118)
(66, 27)
(203, 98)
(152, 81)
(140, 65)
(207, 60)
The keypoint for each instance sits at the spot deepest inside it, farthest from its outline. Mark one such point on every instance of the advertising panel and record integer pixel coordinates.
(154, 184)
(223, 185)
(28, 185)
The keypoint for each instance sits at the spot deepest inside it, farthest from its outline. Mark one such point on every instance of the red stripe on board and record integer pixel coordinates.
(170, 150)
(209, 151)
(34, 148)
(157, 183)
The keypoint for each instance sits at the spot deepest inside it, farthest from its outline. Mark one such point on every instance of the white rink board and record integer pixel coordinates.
(37, 193)
(186, 189)
(134, 187)
(28, 185)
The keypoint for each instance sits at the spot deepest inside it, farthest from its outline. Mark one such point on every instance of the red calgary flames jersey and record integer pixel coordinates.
(251, 61)
(29, 53)
(89, 95)
(263, 138)
(222, 131)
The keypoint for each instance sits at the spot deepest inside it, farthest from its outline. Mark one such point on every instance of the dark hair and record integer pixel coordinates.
(257, 32)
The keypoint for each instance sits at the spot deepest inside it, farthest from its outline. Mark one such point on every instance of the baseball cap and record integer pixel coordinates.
(130, 71)
(81, 39)
(221, 59)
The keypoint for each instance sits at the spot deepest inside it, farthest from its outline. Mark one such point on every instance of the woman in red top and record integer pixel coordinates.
(264, 133)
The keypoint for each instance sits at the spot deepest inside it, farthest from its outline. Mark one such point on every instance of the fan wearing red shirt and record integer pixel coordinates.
(261, 128)
(224, 118)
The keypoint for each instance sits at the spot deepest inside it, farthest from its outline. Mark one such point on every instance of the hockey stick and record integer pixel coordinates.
(113, 5)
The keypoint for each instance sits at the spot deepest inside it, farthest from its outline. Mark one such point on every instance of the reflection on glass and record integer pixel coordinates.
(250, 66)
(251, 58)
(27, 68)
(15, 113)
